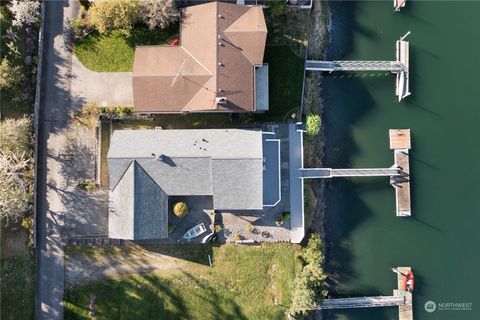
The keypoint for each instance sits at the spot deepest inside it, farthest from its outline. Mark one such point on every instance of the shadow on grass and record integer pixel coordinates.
(151, 297)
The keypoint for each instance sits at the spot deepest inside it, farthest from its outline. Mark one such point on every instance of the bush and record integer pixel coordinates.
(10, 76)
(180, 209)
(278, 221)
(309, 288)
(313, 124)
(286, 215)
(236, 237)
(217, 228)
(16, 136)
(27, 223)
(108, 15)
(87, 186)
(170, 228)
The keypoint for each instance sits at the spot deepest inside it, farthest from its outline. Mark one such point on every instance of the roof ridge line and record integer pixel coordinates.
(124, 171)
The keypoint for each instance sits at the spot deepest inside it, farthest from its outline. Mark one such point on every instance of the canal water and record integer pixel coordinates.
(441, 239)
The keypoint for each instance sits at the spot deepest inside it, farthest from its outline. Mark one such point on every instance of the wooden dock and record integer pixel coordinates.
(400, 142)
(405, 311)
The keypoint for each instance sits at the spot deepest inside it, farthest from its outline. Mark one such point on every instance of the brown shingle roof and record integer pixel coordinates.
(192, 77)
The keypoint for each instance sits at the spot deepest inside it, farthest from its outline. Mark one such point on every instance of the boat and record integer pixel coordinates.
(195, 231)
(408, 281)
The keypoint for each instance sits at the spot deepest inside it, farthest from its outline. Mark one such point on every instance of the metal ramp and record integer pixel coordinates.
(332, 173)
(330, 66)
(363, 302)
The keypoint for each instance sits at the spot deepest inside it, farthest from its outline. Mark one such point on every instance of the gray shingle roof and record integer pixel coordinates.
(139, 207)
(224, 163)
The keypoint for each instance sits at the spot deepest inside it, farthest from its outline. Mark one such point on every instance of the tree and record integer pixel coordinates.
(10, 76)
(107, 15)
(16, 136)
(309, 286)
(158, 13)
(15, 168)
(14, 190)
(180, 209)
(25, 12)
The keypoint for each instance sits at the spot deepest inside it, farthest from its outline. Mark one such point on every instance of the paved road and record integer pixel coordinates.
(54, 110)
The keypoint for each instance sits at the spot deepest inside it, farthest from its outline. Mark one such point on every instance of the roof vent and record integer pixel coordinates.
(221, 100)
(158, 157)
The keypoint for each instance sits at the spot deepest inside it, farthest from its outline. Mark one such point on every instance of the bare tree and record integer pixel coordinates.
(15, 168)
(14, 190)
(25, 12)
(158, 13)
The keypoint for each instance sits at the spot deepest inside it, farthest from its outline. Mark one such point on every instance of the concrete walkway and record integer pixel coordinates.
(104, 88)
(55, 102)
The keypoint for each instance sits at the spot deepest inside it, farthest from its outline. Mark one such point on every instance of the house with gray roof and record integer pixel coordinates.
(238, 168)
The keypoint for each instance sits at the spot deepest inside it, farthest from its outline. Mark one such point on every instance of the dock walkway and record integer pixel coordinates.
(332, 173)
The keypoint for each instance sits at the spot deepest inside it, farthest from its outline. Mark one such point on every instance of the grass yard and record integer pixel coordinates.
(114, 52)
(285, 82)
(17, 274)
(244, 283)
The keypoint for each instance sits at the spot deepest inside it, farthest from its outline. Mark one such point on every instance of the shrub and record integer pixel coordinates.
(27, 223)
(170, 228)
(250, 228)
(87, 186)
(217, 228)
(309, 287)
(313, 124)
(286, 215)
(16, 136)
(108, 15)
(236, 237)
(180, 209)
(10, 76)
(158, 13)
(278, 221)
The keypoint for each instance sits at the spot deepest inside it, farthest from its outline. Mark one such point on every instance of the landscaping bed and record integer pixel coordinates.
(245, 282)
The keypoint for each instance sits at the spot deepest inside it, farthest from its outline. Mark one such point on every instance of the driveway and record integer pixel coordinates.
(104, 88)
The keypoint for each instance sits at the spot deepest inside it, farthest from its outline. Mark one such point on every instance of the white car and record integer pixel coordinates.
(195, 231)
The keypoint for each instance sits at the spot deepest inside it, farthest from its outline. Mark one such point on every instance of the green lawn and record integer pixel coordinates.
(244, 283)
(114, 52)
(285, 82)
(17, 287)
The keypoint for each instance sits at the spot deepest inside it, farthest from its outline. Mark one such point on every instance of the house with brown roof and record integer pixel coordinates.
(217, 67)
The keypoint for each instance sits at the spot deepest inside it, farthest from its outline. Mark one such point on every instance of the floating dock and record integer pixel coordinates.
(397, 4)
(405, 310)
(400, 143)
(402, 87)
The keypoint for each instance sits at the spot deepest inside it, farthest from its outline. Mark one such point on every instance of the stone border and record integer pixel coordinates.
(36, 110)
